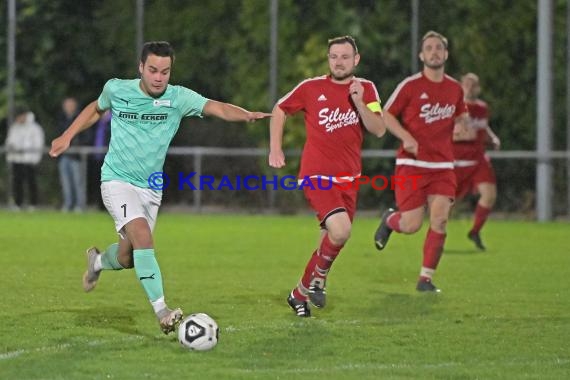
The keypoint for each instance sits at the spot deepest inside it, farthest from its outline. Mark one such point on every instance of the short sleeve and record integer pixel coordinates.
(104, 100)
(372, 99)
(190, 103)
(294, 101)
(398, 100)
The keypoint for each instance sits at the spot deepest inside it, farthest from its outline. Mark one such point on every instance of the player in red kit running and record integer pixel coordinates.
(472, 166)
(423, 112)
(337, 108)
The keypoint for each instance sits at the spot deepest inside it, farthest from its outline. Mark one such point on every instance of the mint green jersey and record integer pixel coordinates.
(142, 127)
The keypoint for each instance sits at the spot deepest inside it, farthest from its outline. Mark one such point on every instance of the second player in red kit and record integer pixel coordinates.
(422, 112)
(473, 169)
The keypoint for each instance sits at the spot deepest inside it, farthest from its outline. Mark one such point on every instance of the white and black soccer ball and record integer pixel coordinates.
(198, 332)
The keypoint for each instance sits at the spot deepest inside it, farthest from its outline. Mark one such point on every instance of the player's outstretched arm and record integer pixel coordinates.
(276, 126)
(86, 118)
(409, 143)
(229, 112)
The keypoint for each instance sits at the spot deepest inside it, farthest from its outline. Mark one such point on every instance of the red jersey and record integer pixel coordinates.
(474, 150)
(334, 130)
(427, 110)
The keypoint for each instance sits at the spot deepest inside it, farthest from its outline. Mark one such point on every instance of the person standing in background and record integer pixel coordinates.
(24, 147)
(71, 171)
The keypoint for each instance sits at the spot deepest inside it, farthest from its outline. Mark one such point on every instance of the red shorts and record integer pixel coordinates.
(469, 177)
(440, 182)
(328, 199)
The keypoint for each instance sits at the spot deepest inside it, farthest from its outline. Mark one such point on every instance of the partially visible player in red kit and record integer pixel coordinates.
(473, 169)
(423, 112)
(337, 107)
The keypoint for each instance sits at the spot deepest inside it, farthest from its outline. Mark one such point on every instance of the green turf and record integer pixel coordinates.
(503, 314)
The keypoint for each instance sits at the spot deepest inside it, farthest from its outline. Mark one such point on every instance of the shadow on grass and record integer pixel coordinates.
(397, 307)
(118, 318)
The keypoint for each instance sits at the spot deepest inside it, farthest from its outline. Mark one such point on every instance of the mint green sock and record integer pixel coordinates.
(109, 259)
(148, 273)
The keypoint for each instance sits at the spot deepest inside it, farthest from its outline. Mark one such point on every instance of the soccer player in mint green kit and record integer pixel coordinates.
(146, 114)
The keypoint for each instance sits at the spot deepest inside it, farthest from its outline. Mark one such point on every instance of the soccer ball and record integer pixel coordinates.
(198, 332)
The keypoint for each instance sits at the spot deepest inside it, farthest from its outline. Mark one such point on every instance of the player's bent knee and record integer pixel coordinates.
(339, 236)
(126, 259)
(411, 226)
(127, 263)
(414, 228)
(488, 200)
(438, 224)
(488, 195)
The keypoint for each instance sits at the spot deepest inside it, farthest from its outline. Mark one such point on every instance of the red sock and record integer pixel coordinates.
(433, 246)
(327, 253)
(481, 214)
(393, 221)
(300, 292)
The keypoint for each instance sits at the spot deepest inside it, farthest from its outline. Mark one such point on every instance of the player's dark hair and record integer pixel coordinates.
(432, 33)
(343, 40)
(20, 109)
(159, 48)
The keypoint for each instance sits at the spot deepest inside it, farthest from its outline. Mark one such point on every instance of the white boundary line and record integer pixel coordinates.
(60, 347)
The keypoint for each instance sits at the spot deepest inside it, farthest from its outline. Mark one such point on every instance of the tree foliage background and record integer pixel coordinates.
(66, 47)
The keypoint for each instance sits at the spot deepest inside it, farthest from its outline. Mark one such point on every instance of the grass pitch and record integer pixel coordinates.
(503, 314)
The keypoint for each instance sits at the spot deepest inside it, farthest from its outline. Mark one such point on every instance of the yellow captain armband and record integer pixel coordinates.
(374, 107)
